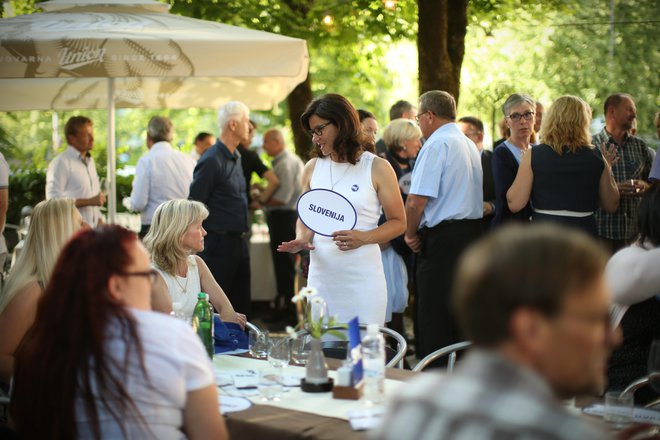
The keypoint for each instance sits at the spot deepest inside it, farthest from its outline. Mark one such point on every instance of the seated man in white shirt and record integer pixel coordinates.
(534, 302)
(162, 174)
(73, 173)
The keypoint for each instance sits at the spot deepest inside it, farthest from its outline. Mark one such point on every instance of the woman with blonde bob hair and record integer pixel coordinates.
(52, 223)
(175, 236)
(402, 137)
(566, 176)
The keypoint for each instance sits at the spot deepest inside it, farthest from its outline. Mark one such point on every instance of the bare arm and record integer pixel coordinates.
(414, 209)
(97, 200)
(201, 416)
(389, 195)
(518, 194)
(15, 320)
(217, 295)
(271, 187)
(608, 191)
(161, 301)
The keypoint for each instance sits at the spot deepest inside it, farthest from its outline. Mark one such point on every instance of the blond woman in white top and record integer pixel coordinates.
(175, 236)
(52, 223)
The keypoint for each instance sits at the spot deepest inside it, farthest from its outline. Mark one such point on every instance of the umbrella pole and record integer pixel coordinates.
(111, 168)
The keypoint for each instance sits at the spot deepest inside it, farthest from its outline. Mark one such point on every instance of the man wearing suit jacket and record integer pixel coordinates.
(473, 128)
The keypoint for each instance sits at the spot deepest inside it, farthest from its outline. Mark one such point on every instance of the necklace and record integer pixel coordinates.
(185, 285)
(332, 184)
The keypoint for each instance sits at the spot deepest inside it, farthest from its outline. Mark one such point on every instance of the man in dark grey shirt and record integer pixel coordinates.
(218, 182)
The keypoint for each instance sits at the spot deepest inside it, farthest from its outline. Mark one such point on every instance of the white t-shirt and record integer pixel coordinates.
(176, 363)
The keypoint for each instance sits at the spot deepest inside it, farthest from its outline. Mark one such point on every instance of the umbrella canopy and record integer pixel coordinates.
(159, 60)
(120, 53)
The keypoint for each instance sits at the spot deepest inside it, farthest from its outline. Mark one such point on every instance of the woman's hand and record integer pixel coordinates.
(295, 246)
(240, 319)
(610, 153)
(349, 240)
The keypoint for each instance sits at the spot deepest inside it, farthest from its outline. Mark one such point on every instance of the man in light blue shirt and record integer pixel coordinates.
(444, 210)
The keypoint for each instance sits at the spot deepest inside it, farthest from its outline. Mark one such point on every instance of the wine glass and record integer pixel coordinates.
(279, 353)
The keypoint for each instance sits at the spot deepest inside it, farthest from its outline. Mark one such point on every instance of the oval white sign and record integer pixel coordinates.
(324, 211)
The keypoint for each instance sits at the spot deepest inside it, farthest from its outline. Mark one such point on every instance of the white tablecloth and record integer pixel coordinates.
(295, 399)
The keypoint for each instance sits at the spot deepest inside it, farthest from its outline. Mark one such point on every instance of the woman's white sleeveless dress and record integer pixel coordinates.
(184, 289)
(351, 282)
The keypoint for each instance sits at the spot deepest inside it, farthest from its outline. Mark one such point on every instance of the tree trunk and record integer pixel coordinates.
(441, 44)
(298, 100)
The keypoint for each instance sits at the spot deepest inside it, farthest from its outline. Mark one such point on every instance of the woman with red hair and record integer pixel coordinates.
(97, 363)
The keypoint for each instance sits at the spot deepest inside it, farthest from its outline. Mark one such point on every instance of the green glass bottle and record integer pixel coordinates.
(202, 321)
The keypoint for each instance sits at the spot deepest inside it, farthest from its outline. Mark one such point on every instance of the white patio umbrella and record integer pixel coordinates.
(92, 54)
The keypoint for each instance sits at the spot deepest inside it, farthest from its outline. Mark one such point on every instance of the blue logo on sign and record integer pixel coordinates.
(354, 188)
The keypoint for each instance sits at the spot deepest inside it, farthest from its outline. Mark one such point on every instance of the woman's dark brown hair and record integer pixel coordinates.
(63, 356)
(350, 140)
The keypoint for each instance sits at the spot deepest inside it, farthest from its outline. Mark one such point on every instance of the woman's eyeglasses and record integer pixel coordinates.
(318, 130)
(150, 274)
(516, 116)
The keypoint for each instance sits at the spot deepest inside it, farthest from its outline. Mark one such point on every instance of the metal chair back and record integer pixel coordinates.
(449, 350)
(396, 360)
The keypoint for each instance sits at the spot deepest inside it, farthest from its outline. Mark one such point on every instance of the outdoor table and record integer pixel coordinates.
(267, 421)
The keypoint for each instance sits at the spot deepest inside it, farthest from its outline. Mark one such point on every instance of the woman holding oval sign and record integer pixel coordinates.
(345, 182)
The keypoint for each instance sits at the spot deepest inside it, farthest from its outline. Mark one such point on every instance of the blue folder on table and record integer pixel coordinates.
(228, 336)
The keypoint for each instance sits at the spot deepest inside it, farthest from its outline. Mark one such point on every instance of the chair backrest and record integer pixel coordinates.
(449, 350)
(249, 327)
(337, 349)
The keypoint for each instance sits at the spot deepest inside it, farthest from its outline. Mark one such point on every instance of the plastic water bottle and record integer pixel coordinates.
(373, 363)
(202, 322)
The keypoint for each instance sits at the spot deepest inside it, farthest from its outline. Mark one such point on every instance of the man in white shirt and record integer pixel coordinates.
(73, 172)
(162, 174)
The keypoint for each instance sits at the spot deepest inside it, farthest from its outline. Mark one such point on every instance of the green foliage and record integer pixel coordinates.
(579, 61)
(26, 187)
(549, 50)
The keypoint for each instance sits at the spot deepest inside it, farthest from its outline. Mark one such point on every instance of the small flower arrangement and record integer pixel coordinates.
(315, 316)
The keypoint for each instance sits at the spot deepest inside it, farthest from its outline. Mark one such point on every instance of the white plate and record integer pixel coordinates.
(230, 404)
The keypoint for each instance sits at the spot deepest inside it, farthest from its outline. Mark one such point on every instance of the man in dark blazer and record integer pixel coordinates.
(473, 128)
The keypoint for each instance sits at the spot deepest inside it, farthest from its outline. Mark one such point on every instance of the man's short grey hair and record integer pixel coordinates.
(516, 99)
(232, 111)
(160, 129)
(440, 103)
